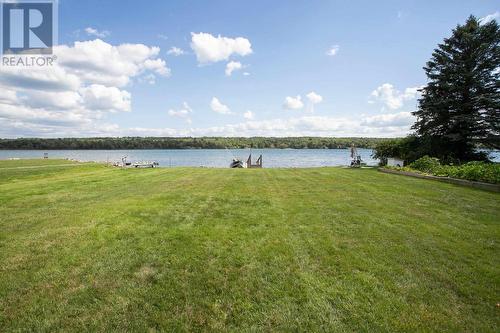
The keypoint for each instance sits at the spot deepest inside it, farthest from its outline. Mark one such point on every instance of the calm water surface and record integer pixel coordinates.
(273, 158)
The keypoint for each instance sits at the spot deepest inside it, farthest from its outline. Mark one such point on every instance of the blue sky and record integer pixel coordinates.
(286, 81)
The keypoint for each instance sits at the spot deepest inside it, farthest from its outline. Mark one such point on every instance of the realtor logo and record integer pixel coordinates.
(28, 26)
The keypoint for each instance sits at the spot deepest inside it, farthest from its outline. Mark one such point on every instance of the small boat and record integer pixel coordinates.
(144, 164)
(236, 163)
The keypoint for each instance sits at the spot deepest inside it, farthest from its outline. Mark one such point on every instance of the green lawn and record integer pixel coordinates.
(92, 248)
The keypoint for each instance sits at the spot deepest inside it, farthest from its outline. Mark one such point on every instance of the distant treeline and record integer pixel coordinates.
(188, 143)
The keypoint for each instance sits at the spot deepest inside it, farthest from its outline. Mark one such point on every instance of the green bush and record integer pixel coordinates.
(412, 148)
(426, 164)
(475, 171)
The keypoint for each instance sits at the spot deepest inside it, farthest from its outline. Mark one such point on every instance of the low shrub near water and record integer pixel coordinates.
(426, 164)
(475, 171)
(412, 148)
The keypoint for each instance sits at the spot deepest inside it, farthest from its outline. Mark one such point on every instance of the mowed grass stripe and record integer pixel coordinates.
(326, 249)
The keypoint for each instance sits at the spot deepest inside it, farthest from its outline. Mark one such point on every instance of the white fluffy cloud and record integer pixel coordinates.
(391, 97)
(490, 17)
(383, 125)
(401, 119)
(184, 112)
(175, 51)
(52, 101)
(8, 96)
(249, 115)
(390, 125)
(159, 66)
(332, 51)
(313, 99)
(233, 66)
(293, 103)
(102, 63)
(86, 82)
(218, 107)
(213, 49)
(102, 98)
(39, 78)
(96, 33)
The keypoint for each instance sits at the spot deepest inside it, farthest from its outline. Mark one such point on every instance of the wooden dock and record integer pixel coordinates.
(258, 163)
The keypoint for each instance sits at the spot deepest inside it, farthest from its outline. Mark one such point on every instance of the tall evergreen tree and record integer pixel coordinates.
(460, 106)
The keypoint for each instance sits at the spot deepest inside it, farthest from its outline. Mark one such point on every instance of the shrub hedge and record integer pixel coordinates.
(475, 171)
